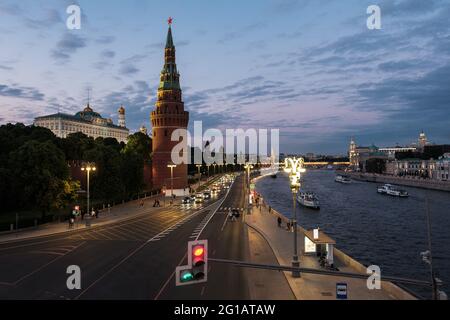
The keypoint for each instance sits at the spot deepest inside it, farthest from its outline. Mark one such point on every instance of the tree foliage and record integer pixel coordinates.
(34, 172)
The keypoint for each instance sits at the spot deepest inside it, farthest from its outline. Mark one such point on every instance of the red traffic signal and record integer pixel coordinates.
(198, 255)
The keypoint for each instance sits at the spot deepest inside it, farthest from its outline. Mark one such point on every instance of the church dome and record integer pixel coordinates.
(88, 113)
(121, 110)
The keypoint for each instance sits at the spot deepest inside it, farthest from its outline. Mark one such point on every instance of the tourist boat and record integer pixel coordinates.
(342, 179)
(308, 199)
(390, 190)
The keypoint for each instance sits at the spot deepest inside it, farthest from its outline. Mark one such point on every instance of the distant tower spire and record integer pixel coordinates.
(121, 113)
(143, 129)
(88, 96)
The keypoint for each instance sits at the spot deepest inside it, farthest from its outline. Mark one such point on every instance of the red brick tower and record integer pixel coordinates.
(168, 116)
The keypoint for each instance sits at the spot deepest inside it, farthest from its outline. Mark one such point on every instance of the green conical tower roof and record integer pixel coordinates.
(169, 41)
(169, 78)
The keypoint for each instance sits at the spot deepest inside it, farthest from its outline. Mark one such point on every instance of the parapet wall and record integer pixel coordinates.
(410, 182)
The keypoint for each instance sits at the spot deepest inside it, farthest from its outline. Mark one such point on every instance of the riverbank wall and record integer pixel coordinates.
(403, 181)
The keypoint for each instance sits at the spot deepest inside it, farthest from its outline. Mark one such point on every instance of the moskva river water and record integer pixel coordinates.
(375, 229)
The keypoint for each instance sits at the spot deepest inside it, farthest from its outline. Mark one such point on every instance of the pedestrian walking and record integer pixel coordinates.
(279, 222)
(96, 213)
(288, 226)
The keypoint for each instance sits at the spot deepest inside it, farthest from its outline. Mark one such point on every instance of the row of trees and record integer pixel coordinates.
(34, 172)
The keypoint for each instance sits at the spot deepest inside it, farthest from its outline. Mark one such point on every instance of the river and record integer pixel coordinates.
(374, 229)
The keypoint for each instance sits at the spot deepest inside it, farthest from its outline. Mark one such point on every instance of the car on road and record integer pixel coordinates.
(207, 195)
(198, 198)
(186, 200)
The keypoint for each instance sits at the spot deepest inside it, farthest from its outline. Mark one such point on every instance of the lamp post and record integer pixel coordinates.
(171, 166)
(248, 166)
(199, 175)
(88, 168)
(295, 168)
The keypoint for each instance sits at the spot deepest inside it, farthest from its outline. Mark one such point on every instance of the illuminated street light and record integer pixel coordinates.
(199, 175)
(248, 166)
(171, 166)
(88, 167)
(294, 166)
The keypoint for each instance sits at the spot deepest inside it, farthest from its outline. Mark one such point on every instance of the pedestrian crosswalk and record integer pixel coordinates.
(226, 209)
(139, 229)
(57, 251)
(201, 226)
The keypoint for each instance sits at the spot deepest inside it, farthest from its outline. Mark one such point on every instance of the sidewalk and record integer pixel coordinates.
(312, 286)
(116, 213)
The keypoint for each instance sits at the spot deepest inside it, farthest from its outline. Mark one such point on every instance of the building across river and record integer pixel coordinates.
(88, 122)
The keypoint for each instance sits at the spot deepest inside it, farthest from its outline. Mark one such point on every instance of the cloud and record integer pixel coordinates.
(128, 70)
(51, 18)
(233, 35)
(105, 39)
(425, 97)
(11, 9)
(7, 68)
(409, 7)
(108, 54)
(68, 45)
(17, 91)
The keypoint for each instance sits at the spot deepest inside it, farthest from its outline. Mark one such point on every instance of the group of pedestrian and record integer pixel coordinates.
(233, 214)
(156, 203)
(289, 224)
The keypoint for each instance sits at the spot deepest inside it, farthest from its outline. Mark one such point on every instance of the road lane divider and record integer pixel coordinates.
(154, 238)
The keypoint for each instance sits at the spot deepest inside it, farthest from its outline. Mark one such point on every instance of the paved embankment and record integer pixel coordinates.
(404, 181)
(313, 286)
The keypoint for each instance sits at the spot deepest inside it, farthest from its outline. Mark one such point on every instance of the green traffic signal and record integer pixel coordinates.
(187, 276)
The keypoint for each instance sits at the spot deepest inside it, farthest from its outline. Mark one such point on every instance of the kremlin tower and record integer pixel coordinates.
(168, 116)
(121, 116)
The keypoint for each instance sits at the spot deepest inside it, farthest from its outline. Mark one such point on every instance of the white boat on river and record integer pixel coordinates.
(308, 199)
(391, 191)
(342, 179)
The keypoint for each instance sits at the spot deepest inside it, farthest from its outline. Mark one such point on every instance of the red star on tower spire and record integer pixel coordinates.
(169, 21)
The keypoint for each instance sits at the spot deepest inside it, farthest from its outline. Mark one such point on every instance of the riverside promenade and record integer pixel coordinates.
(313, 286)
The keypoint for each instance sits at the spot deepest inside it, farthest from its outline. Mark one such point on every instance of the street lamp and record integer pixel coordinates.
(88, 168)
(171, 166)
(248, 166)
(199, 174)
(294, 167)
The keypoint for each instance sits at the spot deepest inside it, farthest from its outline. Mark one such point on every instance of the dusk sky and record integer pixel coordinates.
(309, 67)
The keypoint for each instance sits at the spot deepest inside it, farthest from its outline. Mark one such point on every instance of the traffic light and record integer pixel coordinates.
(197, 268)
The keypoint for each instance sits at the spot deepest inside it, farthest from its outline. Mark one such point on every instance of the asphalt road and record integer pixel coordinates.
(226, 240)
(132, 259)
